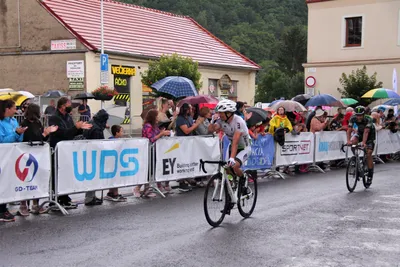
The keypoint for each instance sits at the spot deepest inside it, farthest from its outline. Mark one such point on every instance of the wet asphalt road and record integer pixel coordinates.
(305, 220)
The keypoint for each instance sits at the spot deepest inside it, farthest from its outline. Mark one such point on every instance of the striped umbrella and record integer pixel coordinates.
(176, 86)
(381, 93)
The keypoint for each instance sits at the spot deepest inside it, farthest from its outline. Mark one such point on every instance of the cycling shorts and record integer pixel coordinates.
(242, 155)
(370, 144)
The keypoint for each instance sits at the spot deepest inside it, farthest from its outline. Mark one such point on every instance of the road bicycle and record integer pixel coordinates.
(357, 167)
(224, 190)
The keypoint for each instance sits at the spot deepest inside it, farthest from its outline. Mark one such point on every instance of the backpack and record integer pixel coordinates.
(279, 136)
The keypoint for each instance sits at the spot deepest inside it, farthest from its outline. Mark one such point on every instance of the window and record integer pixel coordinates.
(354, 31)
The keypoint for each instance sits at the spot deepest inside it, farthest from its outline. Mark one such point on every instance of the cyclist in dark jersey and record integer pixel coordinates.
(361, 128)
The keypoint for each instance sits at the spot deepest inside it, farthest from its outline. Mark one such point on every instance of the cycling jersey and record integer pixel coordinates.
(366, 122)
(237, 124)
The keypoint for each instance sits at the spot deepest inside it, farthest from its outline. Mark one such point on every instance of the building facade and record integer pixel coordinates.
(55, 44)
(344, 35)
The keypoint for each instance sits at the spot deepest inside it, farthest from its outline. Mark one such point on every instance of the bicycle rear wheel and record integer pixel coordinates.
(352, 174)
(215, 205)
(247, 196)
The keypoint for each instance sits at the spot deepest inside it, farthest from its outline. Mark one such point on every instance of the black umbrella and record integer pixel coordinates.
(84, 96)
(54, 94)
(257, 115)
(302, 99)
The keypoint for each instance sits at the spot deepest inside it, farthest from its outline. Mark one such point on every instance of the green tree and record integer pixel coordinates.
(276, 84)
(173, 65)
(358, 83)
(293, 49)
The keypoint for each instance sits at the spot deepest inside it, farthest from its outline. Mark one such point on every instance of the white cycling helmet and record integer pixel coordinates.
(226, 105)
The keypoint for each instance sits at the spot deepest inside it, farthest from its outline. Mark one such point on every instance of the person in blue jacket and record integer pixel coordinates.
(10, 132)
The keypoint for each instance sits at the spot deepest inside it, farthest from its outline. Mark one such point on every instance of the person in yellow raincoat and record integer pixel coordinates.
(280, 120)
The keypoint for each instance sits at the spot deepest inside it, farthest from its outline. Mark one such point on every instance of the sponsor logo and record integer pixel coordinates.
(110, 164)
(329, 146)
(296, 148)
(174, 147)
(26, 167)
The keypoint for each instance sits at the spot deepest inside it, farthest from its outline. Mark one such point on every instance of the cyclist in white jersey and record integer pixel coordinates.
(236, 130)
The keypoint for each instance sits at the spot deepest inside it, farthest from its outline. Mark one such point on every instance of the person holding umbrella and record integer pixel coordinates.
(84, 111)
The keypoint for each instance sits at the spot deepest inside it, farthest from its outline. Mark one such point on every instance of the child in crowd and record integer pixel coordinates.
(117, 132)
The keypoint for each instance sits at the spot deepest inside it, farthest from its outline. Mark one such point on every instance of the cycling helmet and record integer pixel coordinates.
(360, 110)
(226, 105)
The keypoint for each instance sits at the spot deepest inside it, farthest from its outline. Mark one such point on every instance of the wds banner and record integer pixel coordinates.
(101, 164)
(298, 149)
(179, 157)
(24, 172)
(387, 142)
(262, 152)
(329, 144)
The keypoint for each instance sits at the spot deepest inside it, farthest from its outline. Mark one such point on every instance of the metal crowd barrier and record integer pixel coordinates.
(91, 165)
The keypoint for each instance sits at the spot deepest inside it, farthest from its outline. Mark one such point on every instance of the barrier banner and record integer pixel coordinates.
(298, 149)
(24, 172)
(387, 142)
(179, 157)
(100, 164)
(262, 152)
(328, 145)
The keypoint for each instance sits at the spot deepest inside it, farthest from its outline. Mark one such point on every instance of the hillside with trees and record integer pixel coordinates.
(270, 32)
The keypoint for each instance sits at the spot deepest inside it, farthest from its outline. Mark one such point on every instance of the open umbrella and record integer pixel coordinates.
(324, 100)
(274, 102)
(257, 115)
(15, 96)
(85, 95)
(175, 86)
(54, 94)
(200, 99)
(381, 93)
(393, 102)
(289, 106)
(302, 99)
(349, 101)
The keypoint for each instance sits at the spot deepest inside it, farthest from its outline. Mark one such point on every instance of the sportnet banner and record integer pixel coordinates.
(298, 149)
(179, 157)
(387, 142)
(24, 172)
(328, 145)
(101, 164)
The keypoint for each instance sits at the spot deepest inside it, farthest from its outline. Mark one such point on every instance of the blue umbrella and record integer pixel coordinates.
(176, 86)
(393, 102)
(324, 100)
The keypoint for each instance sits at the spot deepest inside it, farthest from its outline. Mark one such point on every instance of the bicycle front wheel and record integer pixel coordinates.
(352, 174)
(247, 196)
(215, 200)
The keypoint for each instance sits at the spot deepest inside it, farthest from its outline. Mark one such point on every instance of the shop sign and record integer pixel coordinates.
(122, 84)
(76, 84)
(59, 45)
(76, 69)
(225, 82)
(123, 70)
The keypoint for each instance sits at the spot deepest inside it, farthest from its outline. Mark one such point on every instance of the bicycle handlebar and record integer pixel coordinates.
(353, 146)
(202, 163)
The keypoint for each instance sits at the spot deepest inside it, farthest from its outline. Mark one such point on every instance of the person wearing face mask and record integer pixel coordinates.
(67, 130)
(280, 120)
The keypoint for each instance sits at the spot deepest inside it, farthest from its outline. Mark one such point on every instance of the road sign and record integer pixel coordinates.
(104, 62)
(104, 77)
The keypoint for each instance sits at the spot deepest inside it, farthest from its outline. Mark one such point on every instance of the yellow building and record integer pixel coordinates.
(55, 44)
(344, 35)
